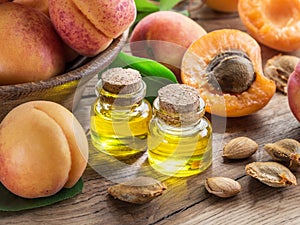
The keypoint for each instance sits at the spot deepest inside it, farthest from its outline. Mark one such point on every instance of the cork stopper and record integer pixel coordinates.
(121, 81)
(180, 104)
(121, 87)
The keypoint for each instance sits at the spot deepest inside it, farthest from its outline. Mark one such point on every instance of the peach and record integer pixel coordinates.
(164, 36)
(41, 5)
(111, 17)
(31, 50)
(293, 92)
(43, 148)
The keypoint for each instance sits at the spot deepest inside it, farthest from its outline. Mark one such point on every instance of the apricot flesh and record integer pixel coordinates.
(293, 92)
(31, 50)
(43, 148)
(274, 23)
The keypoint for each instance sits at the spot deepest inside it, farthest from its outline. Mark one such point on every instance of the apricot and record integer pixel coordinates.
(227, 6)
(43, 148)
(274, 23)
(31, 50)
(41, 5)
(226, 67)
(293, 92)
(90, 26)
(111, 17)
(164, 36)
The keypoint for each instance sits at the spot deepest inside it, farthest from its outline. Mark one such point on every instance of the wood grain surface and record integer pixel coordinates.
(186, 201)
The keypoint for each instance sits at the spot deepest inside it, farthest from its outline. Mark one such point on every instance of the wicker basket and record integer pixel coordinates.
(61, 88)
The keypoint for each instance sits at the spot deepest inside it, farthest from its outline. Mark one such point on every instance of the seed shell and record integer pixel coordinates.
(240, 148)
(279, 68)
(139, 190)
(286, 151)
(223, 187)
(271, 173)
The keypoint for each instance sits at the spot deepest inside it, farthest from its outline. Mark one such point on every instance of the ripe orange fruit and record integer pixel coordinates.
(274, 23)
(195, 72)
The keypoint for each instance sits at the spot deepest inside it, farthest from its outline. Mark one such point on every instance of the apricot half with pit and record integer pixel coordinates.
(226, 67)
(43, 148)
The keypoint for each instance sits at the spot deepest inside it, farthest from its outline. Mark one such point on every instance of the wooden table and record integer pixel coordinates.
(186, 201)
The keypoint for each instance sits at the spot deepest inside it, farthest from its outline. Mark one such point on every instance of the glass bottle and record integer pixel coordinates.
(120, 115)
(180, 137)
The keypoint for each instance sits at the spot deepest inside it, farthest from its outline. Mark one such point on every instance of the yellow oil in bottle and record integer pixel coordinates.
(120, 132)
(120, 116)
(177, 152)
(179, 144)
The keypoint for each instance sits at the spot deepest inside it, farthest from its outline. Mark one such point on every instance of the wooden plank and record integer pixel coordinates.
(186, 201)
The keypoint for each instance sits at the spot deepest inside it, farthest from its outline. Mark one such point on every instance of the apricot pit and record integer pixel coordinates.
(231, 71)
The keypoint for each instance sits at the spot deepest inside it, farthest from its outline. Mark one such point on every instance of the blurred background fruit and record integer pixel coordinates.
(227, 6)
(274, 23)
(293, 92)
(164, 36)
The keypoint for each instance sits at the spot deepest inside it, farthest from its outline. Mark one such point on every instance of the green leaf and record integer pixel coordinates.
(184, 12)
(146, 67)
(168, 4)
(146, 6)
(154, 74)
(11, 202)
(153, 85)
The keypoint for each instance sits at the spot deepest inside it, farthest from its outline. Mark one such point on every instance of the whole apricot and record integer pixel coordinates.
(293, 92)
(41, 5)
(43, 148)
(227, 6)
(31, 50)
(90, 26)
(164, 36)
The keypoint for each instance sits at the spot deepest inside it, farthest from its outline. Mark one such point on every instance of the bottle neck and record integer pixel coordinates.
(120, 100)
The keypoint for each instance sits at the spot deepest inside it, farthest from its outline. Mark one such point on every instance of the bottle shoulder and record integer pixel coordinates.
(140, 109)
(202, 127)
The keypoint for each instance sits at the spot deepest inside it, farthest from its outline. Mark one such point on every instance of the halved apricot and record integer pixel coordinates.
(236, 57)
(274, 23)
